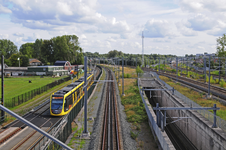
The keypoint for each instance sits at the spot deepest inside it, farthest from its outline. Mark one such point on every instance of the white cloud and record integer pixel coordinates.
(183, 42)
(4, 9)
(32, 38)
(161, 40)
(219, 29)
(64, 8)
(4, 36)
(203, 5)
(18, 34)
(111, 39)
(48, 15)
(181, 27)
(201, 22)
(158, 29)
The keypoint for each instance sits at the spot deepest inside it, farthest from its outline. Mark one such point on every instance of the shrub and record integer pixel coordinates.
(139, 70)
(178, 74)
(128, 75)
(212, 81)
(217, 81)
(207, 79)
(222, 83)
(189, 74)
(133, 135)
(174, 70)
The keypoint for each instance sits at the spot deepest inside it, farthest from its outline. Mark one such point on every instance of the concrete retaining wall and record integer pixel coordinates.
(197, 128)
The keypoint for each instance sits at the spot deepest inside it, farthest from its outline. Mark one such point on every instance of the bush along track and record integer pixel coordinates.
(136, 116)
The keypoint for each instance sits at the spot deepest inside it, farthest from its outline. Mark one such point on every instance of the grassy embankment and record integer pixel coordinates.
(19, 85)
(197, 97)
(193, 75)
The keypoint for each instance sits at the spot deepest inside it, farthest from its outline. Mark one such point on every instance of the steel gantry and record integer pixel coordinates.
(161, 117)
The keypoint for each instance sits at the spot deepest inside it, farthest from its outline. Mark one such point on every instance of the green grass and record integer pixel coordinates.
(133, 135)
(134, 106)
(197, 97)
(17, 86)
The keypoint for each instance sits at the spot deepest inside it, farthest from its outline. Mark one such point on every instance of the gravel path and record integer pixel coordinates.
(128, 142)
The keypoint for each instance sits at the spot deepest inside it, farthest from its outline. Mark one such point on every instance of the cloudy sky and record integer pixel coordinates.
(176, 27)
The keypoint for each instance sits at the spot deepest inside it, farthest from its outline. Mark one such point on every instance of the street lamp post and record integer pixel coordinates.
(19, 61)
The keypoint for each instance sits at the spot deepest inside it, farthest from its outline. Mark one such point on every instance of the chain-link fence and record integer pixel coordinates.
(210, 116)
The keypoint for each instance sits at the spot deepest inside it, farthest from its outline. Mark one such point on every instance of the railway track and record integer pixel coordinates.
(18, 136)
(110, 133)
(201, 72)
(214, 90)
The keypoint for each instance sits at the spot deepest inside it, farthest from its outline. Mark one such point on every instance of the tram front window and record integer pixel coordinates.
(56, 106)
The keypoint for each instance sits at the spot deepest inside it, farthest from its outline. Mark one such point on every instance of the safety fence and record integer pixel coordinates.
(63, 128)
(210, 116)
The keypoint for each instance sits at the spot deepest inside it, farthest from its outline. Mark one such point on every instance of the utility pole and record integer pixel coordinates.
(209, 79)
(205, 68)
(142, 48)
(118, 71)
(85, 132)
(122, 77)
(159, 64)
(136, 61)
(2, 101)
(219, 69)
(177, 67)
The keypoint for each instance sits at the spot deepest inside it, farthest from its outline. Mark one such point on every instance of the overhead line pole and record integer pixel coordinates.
(142, 48)
(2, 100)
(85, 98)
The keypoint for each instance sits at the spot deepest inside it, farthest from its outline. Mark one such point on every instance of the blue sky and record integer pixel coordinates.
(176, 27)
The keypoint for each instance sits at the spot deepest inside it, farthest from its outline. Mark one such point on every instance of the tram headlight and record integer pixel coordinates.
(56, 111)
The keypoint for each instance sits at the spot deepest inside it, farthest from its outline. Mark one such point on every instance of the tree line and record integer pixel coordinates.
(130, 58)
(64, 47)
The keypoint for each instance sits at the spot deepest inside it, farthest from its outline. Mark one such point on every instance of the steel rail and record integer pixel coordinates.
(23, 125)
(28, 137)
(110, 136)
(105, 123)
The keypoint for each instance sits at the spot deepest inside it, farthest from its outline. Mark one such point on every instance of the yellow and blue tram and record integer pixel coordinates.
(64, 100)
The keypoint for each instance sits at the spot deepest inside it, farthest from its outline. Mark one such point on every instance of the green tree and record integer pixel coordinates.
(139, 70)
(221, 43)
(66, 47)
(37, 48)
(115, 53)
(47, 51)
(14, 60)
(24, 60)
(27, 49)
(7, 48)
